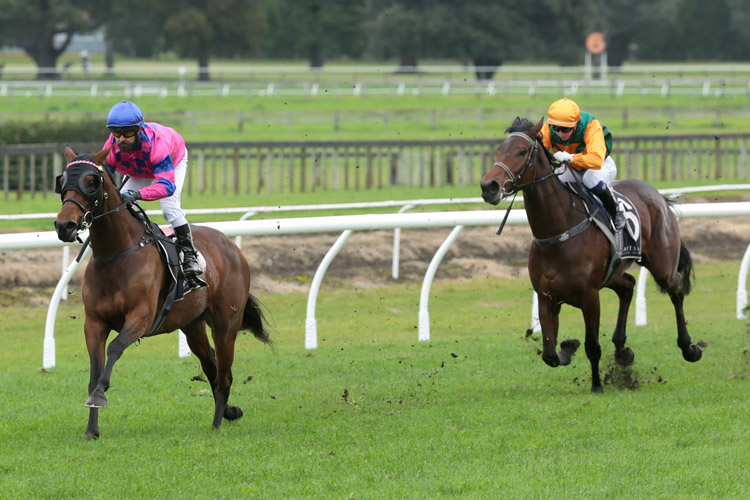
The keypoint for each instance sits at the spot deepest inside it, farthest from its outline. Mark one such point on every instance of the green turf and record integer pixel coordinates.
(373, 413)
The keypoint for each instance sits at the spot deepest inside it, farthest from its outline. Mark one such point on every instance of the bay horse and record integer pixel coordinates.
(125, 284)
(573, 270)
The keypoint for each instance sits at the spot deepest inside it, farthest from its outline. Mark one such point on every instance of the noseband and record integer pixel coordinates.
(512, 179)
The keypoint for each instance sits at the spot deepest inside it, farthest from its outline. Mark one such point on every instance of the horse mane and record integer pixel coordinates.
(519, 125)
(524, 125)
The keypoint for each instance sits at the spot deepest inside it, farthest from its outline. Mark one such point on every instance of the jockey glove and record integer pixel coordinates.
(563, 157)
(130, 197)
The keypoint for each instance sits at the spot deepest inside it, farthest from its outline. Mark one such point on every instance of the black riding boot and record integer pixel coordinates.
(613, 208)
(190, 265)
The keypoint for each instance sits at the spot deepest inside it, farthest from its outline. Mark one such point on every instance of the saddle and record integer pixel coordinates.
(624, 244)
(171, 256)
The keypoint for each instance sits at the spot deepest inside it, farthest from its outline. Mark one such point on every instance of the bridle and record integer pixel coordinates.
(513, 180)
(74, 180)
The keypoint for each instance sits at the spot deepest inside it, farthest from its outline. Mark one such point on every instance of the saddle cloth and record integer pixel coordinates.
(626, 243)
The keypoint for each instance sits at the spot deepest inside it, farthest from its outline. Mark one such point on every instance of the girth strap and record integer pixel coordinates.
(144, 241)
(570, 233)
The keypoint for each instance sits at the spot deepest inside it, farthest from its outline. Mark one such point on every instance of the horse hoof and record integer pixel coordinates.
(96, 402)
(91, 437)
(554, 362)
(597, 389)
(692, 353)
(233, 412)
(570, 346)
(624, 356)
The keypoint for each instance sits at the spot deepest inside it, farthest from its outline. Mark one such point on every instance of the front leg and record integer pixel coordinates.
(136, 326)
(96, 337)
(549, 315)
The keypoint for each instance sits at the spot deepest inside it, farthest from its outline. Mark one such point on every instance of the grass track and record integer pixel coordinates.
(474, 413)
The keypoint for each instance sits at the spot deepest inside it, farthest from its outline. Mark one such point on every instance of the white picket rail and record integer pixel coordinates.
(306, 225)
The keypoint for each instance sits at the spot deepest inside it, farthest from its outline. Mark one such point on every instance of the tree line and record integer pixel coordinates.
(482, 33)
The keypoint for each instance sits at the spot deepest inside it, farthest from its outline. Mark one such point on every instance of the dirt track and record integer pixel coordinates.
(283, 264)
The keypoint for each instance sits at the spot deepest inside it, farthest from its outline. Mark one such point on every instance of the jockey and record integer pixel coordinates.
(583, 144)
(155, 158)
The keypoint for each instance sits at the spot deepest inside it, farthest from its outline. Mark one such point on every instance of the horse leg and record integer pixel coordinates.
(623, 287)
(96, 336)
(591, 312)
(224, 360)
(690, 351)
(131, 332)
(677, 284)
(199, 345)
(549, 315)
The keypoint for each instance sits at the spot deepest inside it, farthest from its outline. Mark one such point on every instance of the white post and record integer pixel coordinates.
(311, 324)
(742, 285)
(640, 299)
(397, 244)
(48, 357)
(424, 298)
(65, 261)
(183, 350)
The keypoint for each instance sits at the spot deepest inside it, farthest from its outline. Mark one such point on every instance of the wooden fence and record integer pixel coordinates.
(223, 168)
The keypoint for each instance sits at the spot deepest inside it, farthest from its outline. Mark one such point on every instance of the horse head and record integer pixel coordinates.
(83, 191)
(514, 158)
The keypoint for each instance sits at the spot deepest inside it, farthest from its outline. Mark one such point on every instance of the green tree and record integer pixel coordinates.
(44, 28)
(314, 29)
(397, 29)
(202, 29)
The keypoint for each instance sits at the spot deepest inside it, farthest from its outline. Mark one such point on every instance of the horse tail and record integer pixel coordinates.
(685, 268)
(254, 320)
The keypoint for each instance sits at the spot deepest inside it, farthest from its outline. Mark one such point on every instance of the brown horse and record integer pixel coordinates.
(573, 270)
(125, 285)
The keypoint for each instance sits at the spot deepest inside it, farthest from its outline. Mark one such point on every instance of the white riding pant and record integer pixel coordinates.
(170, 206)
(590, 177)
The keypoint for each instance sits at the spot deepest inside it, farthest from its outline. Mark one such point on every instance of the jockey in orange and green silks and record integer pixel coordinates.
(582, 144)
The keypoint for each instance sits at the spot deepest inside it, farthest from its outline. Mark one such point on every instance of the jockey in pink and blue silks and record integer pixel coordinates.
(155, 159)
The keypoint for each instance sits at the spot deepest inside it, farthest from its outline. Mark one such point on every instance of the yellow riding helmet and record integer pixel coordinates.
(564, 113)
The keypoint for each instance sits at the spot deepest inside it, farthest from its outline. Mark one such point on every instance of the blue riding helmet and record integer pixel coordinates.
(124, 114)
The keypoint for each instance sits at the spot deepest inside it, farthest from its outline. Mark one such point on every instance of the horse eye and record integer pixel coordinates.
(522, 152)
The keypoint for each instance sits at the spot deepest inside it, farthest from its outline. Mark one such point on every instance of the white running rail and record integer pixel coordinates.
(363, 223)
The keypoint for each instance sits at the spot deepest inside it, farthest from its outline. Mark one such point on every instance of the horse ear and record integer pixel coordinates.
(536, 128)
(101, 156)
(69, 153)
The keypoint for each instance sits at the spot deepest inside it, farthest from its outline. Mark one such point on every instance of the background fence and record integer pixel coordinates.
(278, 167)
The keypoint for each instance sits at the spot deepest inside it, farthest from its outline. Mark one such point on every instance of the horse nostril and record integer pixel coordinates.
(491, 187)
(67, 226)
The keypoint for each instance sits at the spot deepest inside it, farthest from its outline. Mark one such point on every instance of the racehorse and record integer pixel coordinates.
(573, 270)
(125, 284)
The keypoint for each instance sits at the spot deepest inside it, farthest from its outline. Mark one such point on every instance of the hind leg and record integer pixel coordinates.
(591, 315)
(672, 283)
(198, 341)
(690, 351)
(224, 360)
(623, 287)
